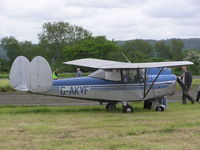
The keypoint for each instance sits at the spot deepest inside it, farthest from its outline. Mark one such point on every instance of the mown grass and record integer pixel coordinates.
(4, 75)
(91, 128)
(5, 86)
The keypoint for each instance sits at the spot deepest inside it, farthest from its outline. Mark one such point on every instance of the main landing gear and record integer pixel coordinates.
(126, 108)
(159, 104)
(110, 106)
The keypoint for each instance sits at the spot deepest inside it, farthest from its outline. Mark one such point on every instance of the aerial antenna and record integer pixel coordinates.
(125, 57)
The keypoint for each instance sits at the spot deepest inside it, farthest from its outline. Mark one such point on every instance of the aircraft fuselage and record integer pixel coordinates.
(105, 90)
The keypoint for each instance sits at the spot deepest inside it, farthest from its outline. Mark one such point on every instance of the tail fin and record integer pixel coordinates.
(19, 74)
(34, 76)
(41, 75)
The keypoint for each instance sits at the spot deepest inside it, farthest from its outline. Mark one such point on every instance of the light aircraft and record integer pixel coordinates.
(111, 83)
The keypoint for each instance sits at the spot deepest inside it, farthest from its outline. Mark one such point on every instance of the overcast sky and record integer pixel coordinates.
(116, 19)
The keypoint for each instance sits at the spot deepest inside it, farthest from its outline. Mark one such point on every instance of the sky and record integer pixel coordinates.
(115, 19)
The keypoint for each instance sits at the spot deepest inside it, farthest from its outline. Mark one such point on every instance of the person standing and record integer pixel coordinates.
(186, 78)
(55, 75)
(78, 72)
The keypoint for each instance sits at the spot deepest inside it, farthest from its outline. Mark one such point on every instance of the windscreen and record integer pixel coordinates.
(111, 74)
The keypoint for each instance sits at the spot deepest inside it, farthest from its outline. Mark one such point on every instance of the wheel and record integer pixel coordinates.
(157, 109)
(127, 109)
(110, 107)
(160, 108)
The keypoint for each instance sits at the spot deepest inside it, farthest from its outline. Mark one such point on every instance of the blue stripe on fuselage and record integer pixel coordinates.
(166, 75)
(95, 81)
(82, 81)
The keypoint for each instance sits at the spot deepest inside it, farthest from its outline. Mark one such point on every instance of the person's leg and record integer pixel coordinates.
(189, 98)
(183, 99)
(198, 96)
(187, 95)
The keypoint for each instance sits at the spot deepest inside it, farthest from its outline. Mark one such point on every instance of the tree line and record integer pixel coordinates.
(61, 41)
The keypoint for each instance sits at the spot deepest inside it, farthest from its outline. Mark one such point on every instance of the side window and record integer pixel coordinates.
(130, 76)
(113, 75)
(142, 74)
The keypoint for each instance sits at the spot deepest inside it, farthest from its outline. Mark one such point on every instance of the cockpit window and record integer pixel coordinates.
(131, 75)
(98, 74)
(112, 74)
(127, 76)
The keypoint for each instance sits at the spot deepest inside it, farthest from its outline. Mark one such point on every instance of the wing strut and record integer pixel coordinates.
(145, 82)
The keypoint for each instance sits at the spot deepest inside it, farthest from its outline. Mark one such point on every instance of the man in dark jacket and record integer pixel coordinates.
(186, 78)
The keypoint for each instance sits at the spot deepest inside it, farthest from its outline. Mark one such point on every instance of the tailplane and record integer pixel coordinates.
(34, 76)
(19, 74)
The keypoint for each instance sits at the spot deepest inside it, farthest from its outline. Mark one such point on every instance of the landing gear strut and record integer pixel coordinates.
(110, 107)
(126, 107)
(160, 104)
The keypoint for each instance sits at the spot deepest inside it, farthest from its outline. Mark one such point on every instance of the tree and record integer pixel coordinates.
(92, 47)
(194, 56)
(95, 47)
(138, 50)
(62, 33)
(11, 45)
(163, 50)
(177, 49)
(55, 36)
(31, 50)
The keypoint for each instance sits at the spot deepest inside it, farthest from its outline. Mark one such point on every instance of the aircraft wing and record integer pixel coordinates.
(93, 63)
(107, 64)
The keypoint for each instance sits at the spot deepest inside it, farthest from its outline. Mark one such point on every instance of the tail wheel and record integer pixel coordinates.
(110, 107)
(127, 109)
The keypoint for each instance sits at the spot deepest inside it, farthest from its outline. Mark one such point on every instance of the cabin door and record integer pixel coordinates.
(132, 81)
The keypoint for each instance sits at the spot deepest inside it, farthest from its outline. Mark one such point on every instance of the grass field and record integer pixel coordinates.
(5, 85)
(91, 128)
(3, 75)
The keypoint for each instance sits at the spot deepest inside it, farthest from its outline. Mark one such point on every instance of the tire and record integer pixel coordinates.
(110, 107)
(160, 108)
(157, 109)
(127, 109)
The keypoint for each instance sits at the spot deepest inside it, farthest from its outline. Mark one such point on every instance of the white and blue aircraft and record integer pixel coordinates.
(113, 81)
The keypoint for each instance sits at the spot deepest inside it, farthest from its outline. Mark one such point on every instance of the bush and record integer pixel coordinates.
(7, 88)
